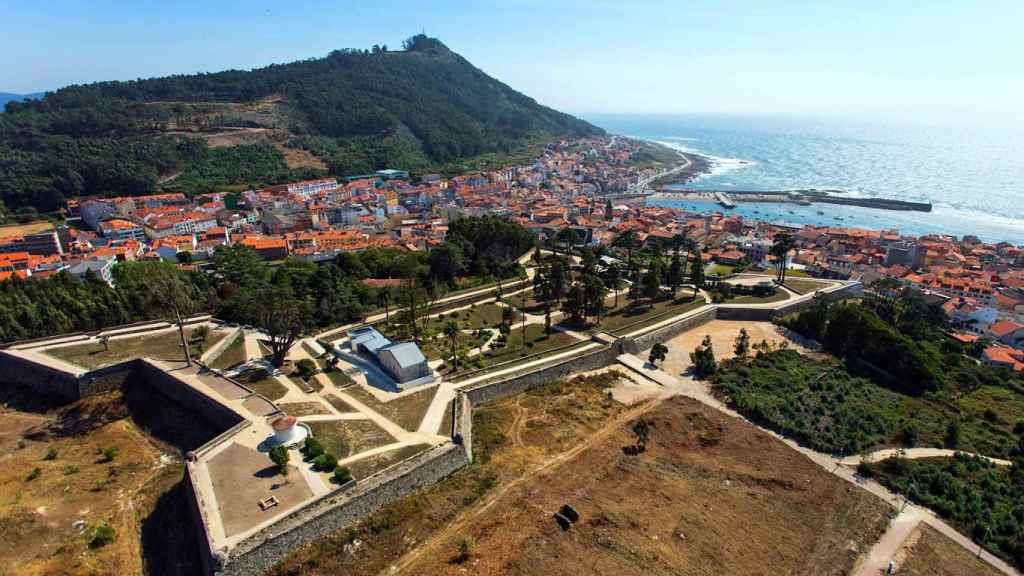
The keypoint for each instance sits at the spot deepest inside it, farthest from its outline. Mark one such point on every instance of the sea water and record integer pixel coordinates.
(973, 176)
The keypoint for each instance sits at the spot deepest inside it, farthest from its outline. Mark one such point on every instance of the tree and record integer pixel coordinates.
(696, 272)
(675, 273)
(614, 275)
(608, 210)
(282, 316)
(781, 245)
(447, 262)
(742, 347)
(174, 293)
(451, 332)
(626, 240)
(383, 299)
(557, 280)
(280, 456)
(594, 294)
(652, 281)
(658, 353)
(703, 359)
(642, 431)
(575, 304)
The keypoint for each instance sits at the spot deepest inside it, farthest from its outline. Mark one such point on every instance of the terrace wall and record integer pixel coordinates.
(45, 380)
(259, 552)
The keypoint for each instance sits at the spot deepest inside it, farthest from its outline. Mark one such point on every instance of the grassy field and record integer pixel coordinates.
(163, 346)
(303, 408)
(711, 495)
(933, 554)
(536, 341)
(633, 315)
(264, 384)
(370, 466)
(406, 411)
(74, 482)
(777, 295)
(823, 406)
(807, 286)
(344, 438)
(233, 355)
(22, 229)
(982, 500)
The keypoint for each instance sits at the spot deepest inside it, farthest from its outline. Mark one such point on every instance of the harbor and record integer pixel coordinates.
(728, 199)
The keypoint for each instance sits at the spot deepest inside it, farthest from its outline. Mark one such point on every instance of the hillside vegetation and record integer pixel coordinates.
(354, 111)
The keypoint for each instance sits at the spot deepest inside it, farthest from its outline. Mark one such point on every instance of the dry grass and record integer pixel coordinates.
(303, 408)
(369, 466)
(22, 229)
(710, 496)
(37, 516)
(406, 411)
(163, 346)
(936, 555)
(344, 438)
(232, 355)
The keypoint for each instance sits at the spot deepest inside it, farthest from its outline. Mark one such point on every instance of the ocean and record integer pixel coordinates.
(974, 177)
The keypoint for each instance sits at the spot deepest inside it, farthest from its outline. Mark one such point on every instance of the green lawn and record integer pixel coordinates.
(719, 270)
(406, 411)
(839, 412)
(344, 438)
(163, 346)
(633, 313)
(233, 355)
(536, 342)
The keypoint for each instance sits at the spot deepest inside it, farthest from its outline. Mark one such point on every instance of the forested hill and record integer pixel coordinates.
(353, 111)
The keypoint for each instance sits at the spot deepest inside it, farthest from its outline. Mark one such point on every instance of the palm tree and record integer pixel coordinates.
(382, 300)
(451, 332)
(780, 249)
(627, 241)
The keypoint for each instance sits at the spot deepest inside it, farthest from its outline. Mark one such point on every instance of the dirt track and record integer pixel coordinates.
(711, 495)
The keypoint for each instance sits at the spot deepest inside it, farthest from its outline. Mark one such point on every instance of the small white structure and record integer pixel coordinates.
(287, 431)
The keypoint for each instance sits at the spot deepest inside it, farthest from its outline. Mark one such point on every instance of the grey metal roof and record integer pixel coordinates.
(406, 354)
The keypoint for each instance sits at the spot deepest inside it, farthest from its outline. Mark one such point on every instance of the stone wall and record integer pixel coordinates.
(462, 424)
(666, 333)
(482, 394)
(47, 381)
(206, 407)
(259, 552)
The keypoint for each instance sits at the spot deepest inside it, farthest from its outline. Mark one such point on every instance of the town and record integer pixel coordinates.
(592, 188)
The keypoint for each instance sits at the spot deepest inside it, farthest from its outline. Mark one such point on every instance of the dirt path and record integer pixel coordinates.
(465, 518)
(888, 547)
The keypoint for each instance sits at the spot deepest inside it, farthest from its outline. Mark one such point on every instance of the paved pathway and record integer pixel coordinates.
(916, 453)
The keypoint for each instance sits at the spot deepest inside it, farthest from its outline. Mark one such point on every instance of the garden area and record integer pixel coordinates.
(981, 499)
(407, 411)
(344, 438)
(232, 355)
(634, 314)
(261, 382)
(164, 346)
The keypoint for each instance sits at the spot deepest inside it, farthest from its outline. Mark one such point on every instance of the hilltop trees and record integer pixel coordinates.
(781, 246)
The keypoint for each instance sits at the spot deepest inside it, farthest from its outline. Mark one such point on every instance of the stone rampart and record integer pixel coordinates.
(50, 382)
(665, 333)
(259, 552)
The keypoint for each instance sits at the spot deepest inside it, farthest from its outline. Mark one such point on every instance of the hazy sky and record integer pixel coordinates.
(918, 59)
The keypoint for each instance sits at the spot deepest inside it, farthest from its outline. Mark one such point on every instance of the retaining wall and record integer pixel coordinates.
(207, 407)
(666, 333)
(45, 380)
(494, 391)
(462, 424)
(259, 552)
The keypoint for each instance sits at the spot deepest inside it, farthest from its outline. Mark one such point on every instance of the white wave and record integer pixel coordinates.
(719, 164)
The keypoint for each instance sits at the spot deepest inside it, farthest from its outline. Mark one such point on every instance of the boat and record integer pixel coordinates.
(820, 213)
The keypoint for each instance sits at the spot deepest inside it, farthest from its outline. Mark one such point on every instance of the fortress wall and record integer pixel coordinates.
(42, 379)
(259, 552)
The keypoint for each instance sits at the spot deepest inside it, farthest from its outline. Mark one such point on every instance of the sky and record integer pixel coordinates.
(918, 60)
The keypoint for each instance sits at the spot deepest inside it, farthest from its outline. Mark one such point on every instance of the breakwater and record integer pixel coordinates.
(803, 197)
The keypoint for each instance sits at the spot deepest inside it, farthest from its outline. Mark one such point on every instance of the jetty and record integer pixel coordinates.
(724, 200)
(803, 197)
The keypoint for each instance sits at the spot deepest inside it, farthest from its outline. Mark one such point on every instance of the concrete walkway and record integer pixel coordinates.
(914, 454)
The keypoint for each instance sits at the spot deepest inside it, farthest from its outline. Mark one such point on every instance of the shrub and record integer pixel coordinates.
(69, 470)
(342, 474)
(305, 368)
(312, 448)
(35, 473)
(101, 536)
(109, 454)
(51, 454)
(325, 462)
